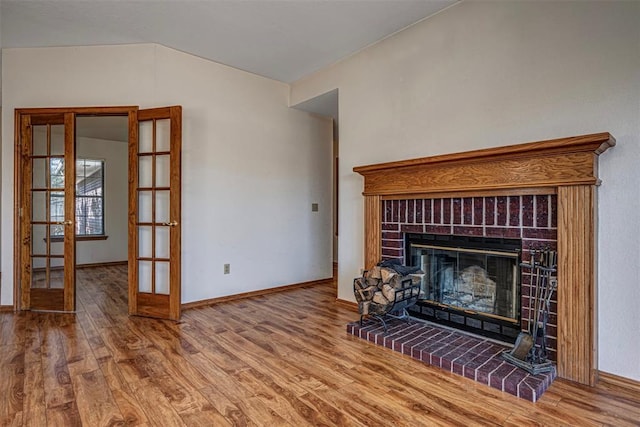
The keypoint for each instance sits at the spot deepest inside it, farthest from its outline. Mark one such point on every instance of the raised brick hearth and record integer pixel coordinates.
(531, 218)
(470, 356)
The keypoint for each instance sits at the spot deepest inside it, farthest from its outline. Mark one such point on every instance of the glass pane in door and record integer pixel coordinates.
(47, 209)
(162, 277)
(163, 135)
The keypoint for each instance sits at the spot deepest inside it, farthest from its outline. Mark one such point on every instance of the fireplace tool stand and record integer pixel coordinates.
(530, 350)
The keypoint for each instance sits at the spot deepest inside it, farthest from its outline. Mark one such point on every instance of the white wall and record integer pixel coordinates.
(251, 165)
(484, 74)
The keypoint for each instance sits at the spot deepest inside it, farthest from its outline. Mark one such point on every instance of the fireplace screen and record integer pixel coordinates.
(483, 281)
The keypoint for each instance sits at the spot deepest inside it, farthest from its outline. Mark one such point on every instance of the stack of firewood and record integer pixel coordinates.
(375, 290)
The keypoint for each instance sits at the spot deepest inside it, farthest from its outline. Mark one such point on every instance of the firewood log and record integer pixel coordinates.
(371, 281)
(375, 272)
(386, 274)
(378, 298)
(389, 292)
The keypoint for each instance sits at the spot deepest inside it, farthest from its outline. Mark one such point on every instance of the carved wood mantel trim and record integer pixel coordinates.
(566, 166)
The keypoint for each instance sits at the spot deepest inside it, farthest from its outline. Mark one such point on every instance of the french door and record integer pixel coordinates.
(45, 245)
(154, 219)
(47, 213)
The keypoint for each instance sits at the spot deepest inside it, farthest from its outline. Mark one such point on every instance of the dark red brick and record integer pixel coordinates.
(402, 214)
(428, 212)
(498, 375)
(412, 228)
(411, 211)
(461, 230)
(554, 210)
(457, 368)
(395, 206)
(457, 210)
(485, 369)
(513, 379)
(392, 244)
(527, 211)
(387, 207)
(391, 226)
(470, 371)
(501, 208)
(525, 392)
(542, 211)
(478, 211)
(446, 211)
(467, 211)
(394, 253)
(532, 381)
(437, 229)
(419, 209)
(514, 211)
(511, 233)
(540, 233)
(392, 235)
(437, 211)
(489, 210)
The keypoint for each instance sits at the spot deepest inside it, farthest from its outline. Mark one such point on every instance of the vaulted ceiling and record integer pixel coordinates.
(280, 39)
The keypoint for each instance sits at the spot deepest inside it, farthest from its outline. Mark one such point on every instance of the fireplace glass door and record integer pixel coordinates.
(471, 280)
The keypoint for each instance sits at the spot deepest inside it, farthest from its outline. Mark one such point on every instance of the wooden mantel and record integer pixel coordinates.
(567, 167)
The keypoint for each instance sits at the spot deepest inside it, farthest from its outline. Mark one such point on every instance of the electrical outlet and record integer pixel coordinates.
(227, 268)
(314, 207)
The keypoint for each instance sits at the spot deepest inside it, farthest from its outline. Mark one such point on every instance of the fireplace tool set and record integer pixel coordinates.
(530, 349)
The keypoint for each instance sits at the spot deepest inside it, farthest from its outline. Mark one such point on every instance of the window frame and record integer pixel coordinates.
(100, 236)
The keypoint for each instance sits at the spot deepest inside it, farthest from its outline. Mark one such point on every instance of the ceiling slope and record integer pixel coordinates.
(283, 40)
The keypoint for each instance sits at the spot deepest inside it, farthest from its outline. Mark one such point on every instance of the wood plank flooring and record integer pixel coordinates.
(283, 359)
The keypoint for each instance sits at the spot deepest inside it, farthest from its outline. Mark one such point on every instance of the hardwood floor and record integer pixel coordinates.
(281, 359)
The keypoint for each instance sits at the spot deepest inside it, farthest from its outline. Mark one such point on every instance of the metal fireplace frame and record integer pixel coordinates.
(477, 322)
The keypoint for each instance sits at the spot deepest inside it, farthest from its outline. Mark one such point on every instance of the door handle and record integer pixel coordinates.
(171, 224)
(67, 222)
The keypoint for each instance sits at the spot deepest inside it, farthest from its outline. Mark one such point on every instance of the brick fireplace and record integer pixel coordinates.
(513, 184)
(531, 219)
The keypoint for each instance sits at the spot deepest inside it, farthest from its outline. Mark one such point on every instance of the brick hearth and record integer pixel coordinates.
(463, 354)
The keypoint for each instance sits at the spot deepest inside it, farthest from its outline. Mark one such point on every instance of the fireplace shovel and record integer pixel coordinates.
(522, 346)
(525, 340)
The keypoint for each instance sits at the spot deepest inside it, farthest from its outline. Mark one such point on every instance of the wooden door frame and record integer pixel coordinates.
(130, 111)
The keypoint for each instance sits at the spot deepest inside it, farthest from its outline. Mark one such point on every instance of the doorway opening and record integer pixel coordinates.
(326, 105)
(65, 160)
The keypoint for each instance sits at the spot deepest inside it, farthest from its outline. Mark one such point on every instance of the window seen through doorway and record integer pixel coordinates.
(89, 208)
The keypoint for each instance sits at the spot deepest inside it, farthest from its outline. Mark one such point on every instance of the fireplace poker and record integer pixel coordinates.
(544, 269)
(540, 283)
(551, 285)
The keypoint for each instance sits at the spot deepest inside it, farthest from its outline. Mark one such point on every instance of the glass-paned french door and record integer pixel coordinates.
(48, 210)
(154, 251)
